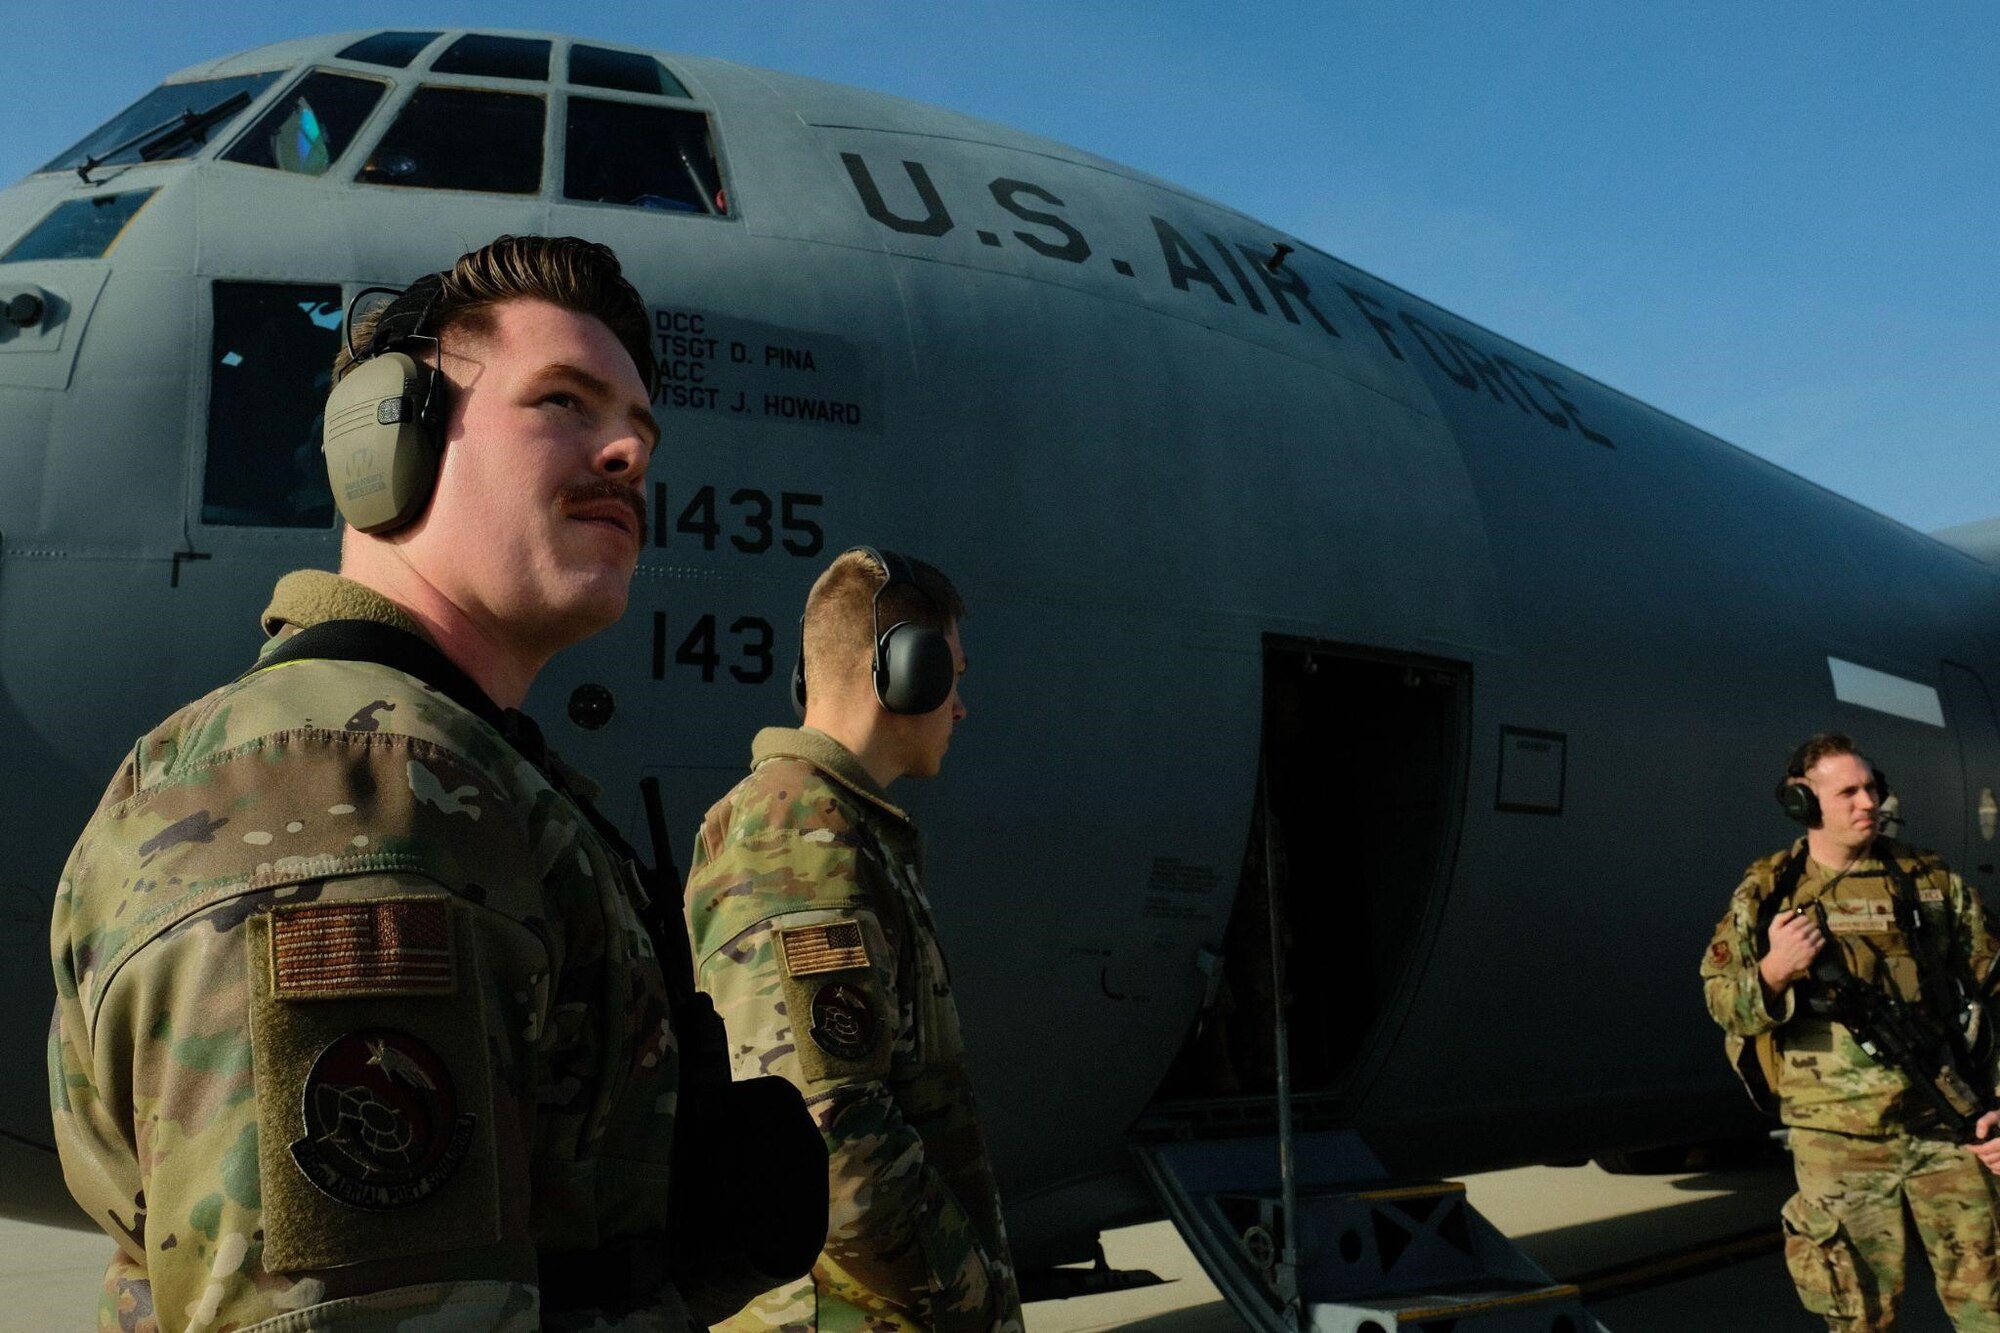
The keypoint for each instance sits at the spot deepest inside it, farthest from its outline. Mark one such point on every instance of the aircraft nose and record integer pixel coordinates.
(43, 310)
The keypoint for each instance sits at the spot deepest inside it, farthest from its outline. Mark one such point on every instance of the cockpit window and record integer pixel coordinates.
(642, 156)
(625, 71)
(270, 366)
(495, 57)
(392, 50)
(306, 131)
(462, 139)
(174, 120)
(79, 228)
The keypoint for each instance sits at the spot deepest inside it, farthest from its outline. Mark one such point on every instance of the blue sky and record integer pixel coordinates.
(1775, 221)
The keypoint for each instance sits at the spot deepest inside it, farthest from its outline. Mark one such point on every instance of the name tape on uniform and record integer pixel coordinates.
(1861, 918)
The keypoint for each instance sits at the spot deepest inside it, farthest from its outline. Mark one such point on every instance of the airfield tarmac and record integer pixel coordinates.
(1577, 1222)
(1651, 1241)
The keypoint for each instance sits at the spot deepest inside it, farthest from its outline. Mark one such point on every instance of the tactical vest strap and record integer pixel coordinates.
(1755, 1059)
(374, 641)
(1940, 995)
(1783, 886)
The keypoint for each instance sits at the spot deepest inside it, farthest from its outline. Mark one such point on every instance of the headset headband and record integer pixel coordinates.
(896, 572)
(411, 306)
(911, 665)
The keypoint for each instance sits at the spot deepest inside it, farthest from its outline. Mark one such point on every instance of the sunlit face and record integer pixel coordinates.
(1845, 785)
(930, 733)
(539, 513)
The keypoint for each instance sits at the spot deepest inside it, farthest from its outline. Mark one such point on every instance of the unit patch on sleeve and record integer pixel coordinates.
(834, 947)
(842, 1023)
(383, 1128)
(374, 1079)
(327, 951)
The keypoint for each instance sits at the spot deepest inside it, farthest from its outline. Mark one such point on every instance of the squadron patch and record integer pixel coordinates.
(383, 1128)
(1718, 953)
(842, 1023)
(837, 946)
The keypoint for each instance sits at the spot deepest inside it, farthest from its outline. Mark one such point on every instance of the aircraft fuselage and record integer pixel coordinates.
(1519, 655)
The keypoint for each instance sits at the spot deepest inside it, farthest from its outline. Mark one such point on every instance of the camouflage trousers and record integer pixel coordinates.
(1845, 1233)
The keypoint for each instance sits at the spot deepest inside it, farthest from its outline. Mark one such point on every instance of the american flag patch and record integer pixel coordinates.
(333, 950)
(835, 947)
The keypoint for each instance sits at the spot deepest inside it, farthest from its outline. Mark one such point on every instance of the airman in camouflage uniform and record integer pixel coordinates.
(1859, 1143)
(357, 1025)
(812, 932)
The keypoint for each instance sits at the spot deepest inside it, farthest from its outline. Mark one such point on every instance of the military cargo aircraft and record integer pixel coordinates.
(1328, 645)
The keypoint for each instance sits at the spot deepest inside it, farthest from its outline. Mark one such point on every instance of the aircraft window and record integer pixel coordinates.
(625, 71)
(393, 50)
(462, 139)
(79, 229)
(495, 57)
(174, 120)
(270, 367)
(643, 156)
(306, 131)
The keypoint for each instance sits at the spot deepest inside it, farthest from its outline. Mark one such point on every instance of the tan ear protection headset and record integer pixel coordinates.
(384, 423)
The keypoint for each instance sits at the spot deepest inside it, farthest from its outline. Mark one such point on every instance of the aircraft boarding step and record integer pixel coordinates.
(1374, 1255)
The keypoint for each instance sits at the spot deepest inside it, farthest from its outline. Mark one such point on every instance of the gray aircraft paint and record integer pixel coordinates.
(1139, 449)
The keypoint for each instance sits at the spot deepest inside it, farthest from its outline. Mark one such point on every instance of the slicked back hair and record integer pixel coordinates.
(565, 271)
(839, 633)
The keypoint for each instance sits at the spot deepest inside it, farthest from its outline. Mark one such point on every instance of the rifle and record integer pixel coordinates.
(750, 1171)
(1900, 1034)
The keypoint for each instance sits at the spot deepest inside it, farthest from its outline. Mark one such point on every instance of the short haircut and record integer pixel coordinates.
(1822, 745)
(839, 633)
(565, 271)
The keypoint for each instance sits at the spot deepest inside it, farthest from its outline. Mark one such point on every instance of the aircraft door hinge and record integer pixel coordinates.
(181, 558)
(1209, 963)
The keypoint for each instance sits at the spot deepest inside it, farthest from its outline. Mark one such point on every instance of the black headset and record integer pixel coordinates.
(914, 669)
(1801, 802)
(383, 428)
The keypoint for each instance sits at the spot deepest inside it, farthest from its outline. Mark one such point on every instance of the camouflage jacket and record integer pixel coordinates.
(1820, 1074)
(356, 1027)
(812, 933)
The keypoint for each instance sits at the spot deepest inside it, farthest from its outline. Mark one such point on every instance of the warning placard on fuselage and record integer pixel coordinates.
(744, 370)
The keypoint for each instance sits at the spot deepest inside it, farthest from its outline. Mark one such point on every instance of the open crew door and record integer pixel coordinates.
(1248, 1144)
(1363, 780)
